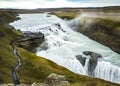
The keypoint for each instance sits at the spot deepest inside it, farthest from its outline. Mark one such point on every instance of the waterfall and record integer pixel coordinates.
(107, 71)
(62, 45)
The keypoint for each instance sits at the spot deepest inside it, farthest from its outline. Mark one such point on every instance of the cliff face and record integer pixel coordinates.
(8, 16)
(104, 31)
(31, 41)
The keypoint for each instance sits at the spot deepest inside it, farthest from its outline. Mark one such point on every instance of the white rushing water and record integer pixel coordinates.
(63, 45)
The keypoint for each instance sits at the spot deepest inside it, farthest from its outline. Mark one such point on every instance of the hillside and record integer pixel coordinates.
(34, 68)
(104, 30)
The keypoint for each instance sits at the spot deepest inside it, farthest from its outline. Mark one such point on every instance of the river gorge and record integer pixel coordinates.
(62, 45)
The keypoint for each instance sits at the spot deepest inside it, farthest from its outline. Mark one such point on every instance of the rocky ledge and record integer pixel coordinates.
(92, 61)
(31, 40)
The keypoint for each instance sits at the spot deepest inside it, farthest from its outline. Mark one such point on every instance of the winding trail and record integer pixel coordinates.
(14, 74)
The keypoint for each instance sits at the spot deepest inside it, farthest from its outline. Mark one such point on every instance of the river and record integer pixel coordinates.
(62, 45)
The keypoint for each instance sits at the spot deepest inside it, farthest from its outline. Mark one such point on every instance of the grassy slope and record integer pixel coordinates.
(110, 23)
(7, 61)
(34, 68)
(68, 15)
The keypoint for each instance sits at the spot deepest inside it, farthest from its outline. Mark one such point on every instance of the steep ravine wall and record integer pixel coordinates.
(106, 32)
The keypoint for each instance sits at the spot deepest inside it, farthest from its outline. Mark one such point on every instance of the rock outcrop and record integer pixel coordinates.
(31, 40)
(92, 54)
(56, 80)
(93, 60)
(81, 59)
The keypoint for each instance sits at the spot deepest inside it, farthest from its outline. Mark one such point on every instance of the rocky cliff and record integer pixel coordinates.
(104, 31)
(31, 41)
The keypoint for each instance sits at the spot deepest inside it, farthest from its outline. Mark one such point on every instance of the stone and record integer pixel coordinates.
(87, 52)
(81, 59)
(55, 80)
(94, 56)
(93, 61)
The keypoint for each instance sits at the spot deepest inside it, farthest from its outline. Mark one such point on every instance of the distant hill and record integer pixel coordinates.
(79, 9)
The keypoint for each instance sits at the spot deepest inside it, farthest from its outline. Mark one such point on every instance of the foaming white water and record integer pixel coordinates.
(107, 71)
(63, 44)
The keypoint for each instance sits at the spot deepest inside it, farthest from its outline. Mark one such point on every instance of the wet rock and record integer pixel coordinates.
(81, 59)
(92, 65)
(56, 80)
(94, 56)
(93, 61)
(31, 41)
(87, 52)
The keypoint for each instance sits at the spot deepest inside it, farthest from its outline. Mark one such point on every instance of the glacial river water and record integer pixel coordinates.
(62, 45)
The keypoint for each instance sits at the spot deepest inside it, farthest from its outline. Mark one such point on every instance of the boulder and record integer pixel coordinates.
(56, 80)
(81, 59)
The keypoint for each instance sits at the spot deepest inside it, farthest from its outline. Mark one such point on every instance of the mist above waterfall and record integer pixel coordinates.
(87, 18)
(62, 45)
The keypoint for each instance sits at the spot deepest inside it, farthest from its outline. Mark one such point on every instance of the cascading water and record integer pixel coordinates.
(62, 45)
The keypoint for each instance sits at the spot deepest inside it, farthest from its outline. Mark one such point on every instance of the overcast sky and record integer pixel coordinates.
(32, 4)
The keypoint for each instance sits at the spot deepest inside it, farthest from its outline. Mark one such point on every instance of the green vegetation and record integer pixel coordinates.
(109, 23)
(8, 60)
(66, 15)
(34, 68)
